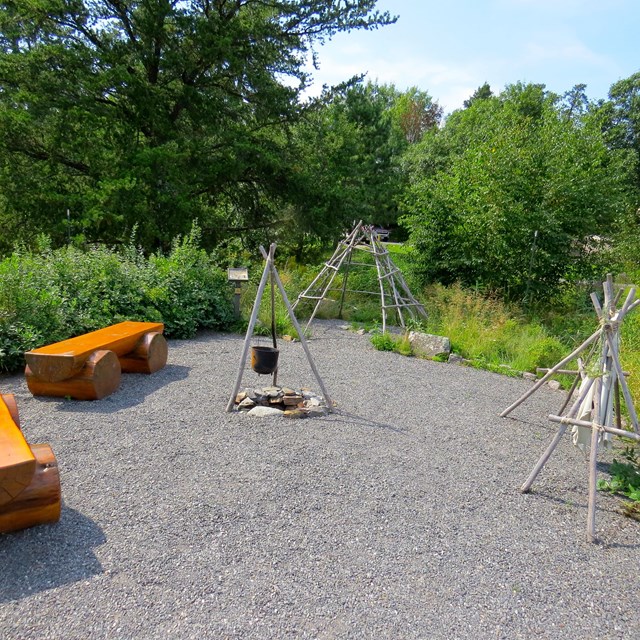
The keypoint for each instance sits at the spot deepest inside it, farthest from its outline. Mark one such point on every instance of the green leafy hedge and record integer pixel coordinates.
(50, 295)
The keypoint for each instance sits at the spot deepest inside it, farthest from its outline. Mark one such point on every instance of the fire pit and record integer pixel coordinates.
(291, 403)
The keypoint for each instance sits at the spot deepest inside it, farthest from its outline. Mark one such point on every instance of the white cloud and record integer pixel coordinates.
(450, 84)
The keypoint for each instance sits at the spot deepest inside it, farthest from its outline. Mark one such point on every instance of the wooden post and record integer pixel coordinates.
(526, 487)
(252, 323)
(344, 284)
(303, 340)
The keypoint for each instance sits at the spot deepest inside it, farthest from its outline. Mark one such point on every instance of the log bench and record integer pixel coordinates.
(29, 478)
(88, 367)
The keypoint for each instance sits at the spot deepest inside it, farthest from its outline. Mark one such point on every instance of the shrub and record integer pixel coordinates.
(48, 296)
(187, 289)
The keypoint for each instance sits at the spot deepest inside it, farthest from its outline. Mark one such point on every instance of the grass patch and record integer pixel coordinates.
(488, 332)
(390, 342)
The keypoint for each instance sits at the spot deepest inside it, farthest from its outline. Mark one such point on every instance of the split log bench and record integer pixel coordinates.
(88, 367)
(29, 477)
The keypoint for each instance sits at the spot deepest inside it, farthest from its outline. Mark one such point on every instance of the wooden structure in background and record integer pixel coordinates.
(88, 367)
(598, 405)
(395, 296)
(29, 478)
(271, 271)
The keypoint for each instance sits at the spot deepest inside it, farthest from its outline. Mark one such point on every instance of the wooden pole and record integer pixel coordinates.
(330, 261)
(303, 340)
(252, 323)
(554, 443)
(274, 379)
(584, 423)
(551, 371)
(344, 284)
(574, 384)
(623, 383)
(352, 238)
(593, 462)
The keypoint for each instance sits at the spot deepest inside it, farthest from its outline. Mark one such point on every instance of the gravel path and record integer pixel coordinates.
(397, 517)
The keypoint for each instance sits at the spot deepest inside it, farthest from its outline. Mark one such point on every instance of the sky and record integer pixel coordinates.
(450, 49)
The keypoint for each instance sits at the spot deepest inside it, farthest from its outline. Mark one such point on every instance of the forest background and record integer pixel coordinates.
(147, 145)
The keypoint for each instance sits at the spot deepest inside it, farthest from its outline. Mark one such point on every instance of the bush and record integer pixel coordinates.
(50, 295)
(187, 289)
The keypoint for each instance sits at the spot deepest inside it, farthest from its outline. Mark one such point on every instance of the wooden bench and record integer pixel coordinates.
(29, 478)
(88, 367)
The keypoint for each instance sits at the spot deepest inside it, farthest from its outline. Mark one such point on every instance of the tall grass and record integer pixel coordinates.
(486, 330)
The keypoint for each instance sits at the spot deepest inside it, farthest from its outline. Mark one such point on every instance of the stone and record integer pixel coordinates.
(241, 396)
(292, 400)
(288, 338)
(317, 412)
(553, 384)
(295, 413)
(246, 404)
(272, 392)
(264, 412)
(427, 345)
(455, 358)
(361, 332)
(527, 375)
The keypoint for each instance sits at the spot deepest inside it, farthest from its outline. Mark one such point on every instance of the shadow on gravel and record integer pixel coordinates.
(48, 556)
(134, 388)
(339, 415)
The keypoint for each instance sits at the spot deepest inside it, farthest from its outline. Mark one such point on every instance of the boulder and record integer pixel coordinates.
(427, 345)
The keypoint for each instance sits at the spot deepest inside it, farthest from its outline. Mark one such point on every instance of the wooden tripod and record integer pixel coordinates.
(604, 385)
(270, 270)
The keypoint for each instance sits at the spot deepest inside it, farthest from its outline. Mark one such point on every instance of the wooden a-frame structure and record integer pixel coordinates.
(271, 271)
(394, 293)
(598, 406)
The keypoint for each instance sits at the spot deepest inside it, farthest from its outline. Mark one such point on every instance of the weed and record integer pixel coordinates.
(383, 341)
(625, 481)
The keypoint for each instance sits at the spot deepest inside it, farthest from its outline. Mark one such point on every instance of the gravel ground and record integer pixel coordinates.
(399, 516)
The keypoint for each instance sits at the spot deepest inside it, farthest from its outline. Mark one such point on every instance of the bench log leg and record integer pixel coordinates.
(39, 502)
(99, 378)
(149, 356)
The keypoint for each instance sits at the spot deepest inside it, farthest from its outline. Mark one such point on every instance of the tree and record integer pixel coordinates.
(481, 93)
(151, 113)
(502, 170)
(619, 116)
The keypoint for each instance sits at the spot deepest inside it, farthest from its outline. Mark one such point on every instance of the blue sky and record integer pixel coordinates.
(450, 49)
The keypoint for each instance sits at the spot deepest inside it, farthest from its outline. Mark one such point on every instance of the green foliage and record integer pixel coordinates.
(625, 480)
(52, 295)
(383, 341)
(154, 113)
(390, 342)
(511, 195)
(187, 289)
(403, 346)
(488, 332)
